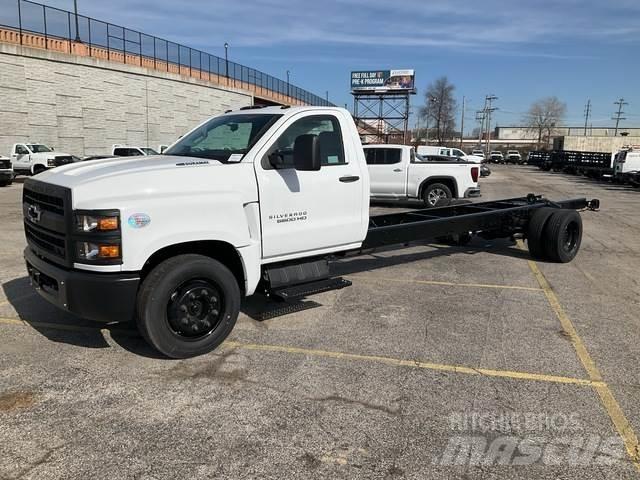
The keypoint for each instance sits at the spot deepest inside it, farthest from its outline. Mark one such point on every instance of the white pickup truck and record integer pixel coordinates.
(6, 171)
(449, 152)
(34, 158)
(253, 201)
(397, 173)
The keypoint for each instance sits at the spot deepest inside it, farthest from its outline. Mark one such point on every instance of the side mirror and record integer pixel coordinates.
(306, 153)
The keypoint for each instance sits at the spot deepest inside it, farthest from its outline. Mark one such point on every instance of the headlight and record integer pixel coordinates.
(97, 223)
(51, 162)
(97, 251)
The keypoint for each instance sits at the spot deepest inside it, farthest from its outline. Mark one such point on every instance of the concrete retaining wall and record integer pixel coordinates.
(83, 105)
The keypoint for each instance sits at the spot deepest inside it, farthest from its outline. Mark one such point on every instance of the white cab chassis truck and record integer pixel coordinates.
(35, 158)
(396, 173)
(254, 201)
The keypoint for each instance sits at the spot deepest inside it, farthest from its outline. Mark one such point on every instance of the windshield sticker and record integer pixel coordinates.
(192, 163)
(236, 157)
(139, 220)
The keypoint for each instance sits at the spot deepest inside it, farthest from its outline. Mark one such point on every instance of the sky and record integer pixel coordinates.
(519, 51)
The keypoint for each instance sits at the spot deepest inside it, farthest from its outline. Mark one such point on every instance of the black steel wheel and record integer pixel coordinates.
(194, 309)
(187, 305)
(535, 231)
(563, 236)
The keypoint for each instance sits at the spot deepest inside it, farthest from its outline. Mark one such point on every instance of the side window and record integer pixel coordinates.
(22, 150)
(412, 157)
(457, 153)
(121, 152)
(393, 155)
(371, 155)
(134, 152)
(325, 127)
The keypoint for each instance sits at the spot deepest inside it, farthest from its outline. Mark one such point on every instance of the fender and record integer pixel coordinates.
(434, 178)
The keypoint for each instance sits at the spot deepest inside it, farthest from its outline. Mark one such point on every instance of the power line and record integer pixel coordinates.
(618, 115)
(488, 110)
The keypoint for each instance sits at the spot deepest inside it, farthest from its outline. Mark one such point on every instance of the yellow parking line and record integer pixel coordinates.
(397, 362)
(446, 284)
(540, 377)
(622, 425)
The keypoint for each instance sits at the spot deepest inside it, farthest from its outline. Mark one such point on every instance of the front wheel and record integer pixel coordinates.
(188, 305)
(38, 169)
(437, 195)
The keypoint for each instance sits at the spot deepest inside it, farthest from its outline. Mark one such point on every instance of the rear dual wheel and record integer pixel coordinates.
(554, 234)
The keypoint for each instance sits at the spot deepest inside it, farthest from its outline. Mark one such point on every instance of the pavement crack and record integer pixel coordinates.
(368, 405)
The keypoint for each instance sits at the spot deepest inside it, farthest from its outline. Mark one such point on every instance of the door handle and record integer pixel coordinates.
(349, 179)
(397, 169)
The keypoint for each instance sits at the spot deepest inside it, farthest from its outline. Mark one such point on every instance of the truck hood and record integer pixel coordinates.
(118, 182)
(474, 159)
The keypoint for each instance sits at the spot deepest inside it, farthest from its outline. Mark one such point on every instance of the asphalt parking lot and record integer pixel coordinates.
(530, 367)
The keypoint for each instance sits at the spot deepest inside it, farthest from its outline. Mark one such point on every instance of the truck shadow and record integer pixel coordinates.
(62, 327)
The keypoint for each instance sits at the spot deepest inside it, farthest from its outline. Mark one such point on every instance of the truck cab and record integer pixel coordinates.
(448, 152)
(626, 161)
(396, 172)
(35, 158)
(131, 151)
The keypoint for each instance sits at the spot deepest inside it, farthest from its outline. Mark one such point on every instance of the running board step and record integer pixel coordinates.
(281, 309)
(311, 288)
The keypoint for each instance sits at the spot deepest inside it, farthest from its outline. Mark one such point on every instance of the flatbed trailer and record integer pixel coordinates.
(592, 164)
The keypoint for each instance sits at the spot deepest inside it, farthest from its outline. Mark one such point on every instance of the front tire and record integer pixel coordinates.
(437, 195)
(188, 305)
(38, 169)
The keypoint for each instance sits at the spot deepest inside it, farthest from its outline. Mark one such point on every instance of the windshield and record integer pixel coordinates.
(148, 151)
(223, 136)
(39, 148)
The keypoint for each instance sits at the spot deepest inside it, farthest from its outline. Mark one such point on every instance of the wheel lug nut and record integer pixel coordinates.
(214, 312)
(183, 308)
(184, 321)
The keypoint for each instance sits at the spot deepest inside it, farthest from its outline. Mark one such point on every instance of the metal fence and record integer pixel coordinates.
(131, 46)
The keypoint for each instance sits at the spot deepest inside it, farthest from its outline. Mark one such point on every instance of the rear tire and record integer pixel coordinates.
(6, 183)
(563, 235)
(535, 231)
(437, 195)
(188, 305)
(38, 169)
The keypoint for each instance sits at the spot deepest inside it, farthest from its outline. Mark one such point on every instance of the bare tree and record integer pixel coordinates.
(440, 108)
(544, 116)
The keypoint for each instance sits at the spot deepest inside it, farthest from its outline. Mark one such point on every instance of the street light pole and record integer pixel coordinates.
(226, 61)
(75, 14)
(327, 96)
(288, 73)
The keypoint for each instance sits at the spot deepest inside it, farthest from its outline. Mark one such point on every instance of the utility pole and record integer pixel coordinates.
(489, 109)
(480, 118)
(226, 61)
(288, 73)
(618, 114)
(462, 123)
(587, 112)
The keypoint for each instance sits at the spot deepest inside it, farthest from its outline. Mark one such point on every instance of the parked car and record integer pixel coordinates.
(396, 172)
(478, 152)
(513, 156)
(6, 171)
(448, 152)
(496, 156)
(131, 151)
(484, 170)
(34, 158)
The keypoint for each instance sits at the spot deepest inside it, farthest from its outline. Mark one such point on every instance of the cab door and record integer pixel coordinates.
(21, 157)
(387, 172)
(307, 212)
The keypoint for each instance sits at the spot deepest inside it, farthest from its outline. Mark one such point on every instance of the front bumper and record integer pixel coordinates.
(473, 192)
(101, 297)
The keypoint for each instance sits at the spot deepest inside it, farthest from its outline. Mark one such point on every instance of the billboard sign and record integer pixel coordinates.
(383, 81)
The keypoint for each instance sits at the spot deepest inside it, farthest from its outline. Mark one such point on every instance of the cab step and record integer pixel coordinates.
(296, 292)
(280, 309)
